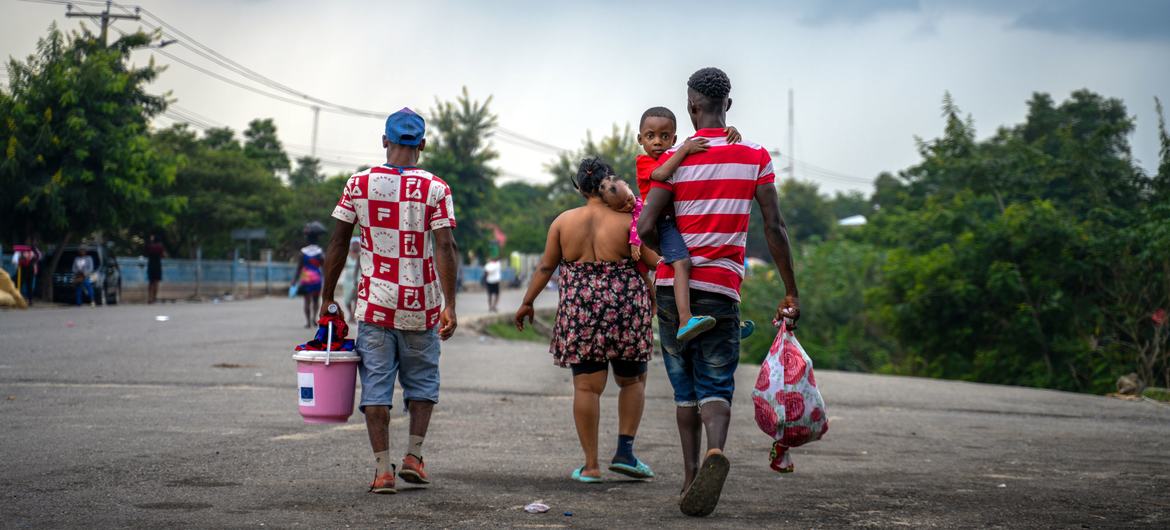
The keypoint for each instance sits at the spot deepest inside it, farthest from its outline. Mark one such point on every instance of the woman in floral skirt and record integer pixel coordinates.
(603, 319)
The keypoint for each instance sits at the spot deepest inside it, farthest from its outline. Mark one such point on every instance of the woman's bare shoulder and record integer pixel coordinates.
(569, 216)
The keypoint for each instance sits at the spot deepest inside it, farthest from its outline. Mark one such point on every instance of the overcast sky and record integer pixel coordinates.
(868, 75)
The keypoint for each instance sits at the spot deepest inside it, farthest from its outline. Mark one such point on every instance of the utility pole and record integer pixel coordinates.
(313, 146)
(105, 17)
(791, 137)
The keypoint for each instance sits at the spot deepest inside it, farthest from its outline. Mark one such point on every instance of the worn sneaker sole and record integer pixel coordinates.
(703, 495)
(412, 477)
(383, 490)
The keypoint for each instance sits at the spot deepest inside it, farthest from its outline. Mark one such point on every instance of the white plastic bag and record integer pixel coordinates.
(789, 407)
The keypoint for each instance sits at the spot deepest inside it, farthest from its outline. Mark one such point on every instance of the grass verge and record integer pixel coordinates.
(506, 331)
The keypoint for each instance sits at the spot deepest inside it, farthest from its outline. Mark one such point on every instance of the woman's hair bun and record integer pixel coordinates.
(590, 173)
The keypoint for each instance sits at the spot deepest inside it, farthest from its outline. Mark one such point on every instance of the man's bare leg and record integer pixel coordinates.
(691, 434)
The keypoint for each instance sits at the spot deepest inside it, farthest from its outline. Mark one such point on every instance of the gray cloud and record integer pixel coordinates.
(853, 11)
(1116, 19)
(1130, 19)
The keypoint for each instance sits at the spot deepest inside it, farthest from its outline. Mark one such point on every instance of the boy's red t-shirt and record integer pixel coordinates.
(644, 165)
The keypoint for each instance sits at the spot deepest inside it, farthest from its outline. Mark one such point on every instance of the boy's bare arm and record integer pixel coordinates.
(667, 169)
(656, 202)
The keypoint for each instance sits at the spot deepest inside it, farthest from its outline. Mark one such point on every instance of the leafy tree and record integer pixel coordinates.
(308, 172)
(1004, 253)
(1161, 182)
(221, 138)
(524, 212)
(808, 215)
(849, 204)
(888, 192)
(619, 150)
(839, 327)
(77, 157)
(262, 145)
(222, 190)
(459, 151)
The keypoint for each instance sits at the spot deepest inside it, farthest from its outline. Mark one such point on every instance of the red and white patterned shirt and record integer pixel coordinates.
(713, 193)
(396, 210)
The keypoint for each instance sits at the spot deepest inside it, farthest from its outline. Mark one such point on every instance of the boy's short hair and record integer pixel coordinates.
(657, 112)
(712, 83)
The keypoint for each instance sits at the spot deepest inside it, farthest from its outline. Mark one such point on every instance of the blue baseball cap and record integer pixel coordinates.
(405, 127)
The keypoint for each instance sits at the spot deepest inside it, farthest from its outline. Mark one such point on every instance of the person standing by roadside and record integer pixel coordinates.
(492, 272)
(82, 270)
(712, 195)
(154, 255)
(405, 217)
(27, 259)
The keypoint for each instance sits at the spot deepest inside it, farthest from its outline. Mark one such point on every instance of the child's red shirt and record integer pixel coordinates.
(644, 165)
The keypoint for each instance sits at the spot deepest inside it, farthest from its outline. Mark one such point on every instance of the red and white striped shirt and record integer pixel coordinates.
(713, 193)
(396, 210)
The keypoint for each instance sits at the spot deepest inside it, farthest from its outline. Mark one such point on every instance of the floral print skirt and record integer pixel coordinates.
(604, 314)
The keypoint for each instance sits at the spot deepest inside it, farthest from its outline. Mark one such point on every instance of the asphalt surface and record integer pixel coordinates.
(114, 419)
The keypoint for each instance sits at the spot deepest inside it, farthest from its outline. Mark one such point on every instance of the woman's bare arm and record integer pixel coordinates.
(549, 261)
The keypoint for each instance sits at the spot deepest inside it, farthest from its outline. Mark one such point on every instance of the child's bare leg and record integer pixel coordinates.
(682, 289)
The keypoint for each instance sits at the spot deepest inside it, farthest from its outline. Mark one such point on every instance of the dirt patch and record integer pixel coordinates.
(201, 482)
(233, 365)
(184, 506)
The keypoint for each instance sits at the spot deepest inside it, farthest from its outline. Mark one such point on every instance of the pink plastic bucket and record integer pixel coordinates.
(325, 384)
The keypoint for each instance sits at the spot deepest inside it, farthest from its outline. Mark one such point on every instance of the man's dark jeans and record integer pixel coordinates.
(703, 369)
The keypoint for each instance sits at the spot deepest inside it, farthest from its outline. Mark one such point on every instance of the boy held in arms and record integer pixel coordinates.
(656, 135)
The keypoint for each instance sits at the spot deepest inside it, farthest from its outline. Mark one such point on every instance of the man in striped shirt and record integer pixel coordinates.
(712, 195)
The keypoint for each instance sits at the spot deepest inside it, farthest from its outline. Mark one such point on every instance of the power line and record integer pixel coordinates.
(305, 100)
(233, 82)
(184, 112)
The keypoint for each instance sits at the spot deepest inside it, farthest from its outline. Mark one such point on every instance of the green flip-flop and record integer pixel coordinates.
(582, 478)
(638, 470)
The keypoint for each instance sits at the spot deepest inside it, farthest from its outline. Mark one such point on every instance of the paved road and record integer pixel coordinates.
(120, 420)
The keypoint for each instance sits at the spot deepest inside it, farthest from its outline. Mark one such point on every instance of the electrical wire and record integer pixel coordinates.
(303, 99)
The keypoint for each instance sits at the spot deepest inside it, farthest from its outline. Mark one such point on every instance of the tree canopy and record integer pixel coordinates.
(1038, 256)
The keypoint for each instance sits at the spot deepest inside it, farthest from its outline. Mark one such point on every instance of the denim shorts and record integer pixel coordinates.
(703, 369)
(670, 240)
(410, 356)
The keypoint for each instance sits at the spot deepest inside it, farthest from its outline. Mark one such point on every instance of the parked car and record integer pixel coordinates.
(107, 282)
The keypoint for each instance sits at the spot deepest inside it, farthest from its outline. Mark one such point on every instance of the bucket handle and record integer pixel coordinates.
(329, 343)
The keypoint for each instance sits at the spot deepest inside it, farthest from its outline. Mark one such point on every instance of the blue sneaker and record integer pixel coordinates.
(694, 327)
(746, 328)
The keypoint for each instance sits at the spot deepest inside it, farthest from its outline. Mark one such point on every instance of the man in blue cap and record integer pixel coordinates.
(405, 217)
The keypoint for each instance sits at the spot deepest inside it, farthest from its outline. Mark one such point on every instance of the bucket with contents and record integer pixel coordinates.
(325, 384)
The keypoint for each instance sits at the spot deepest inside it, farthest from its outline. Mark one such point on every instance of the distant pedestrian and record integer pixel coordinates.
(406, 218)
(82, 270)
(308, 276)
(492, 272)
(27, 259)
(603, 318)
(154, 255)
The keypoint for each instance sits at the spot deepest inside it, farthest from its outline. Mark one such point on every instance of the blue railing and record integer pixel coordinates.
(474, 274)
